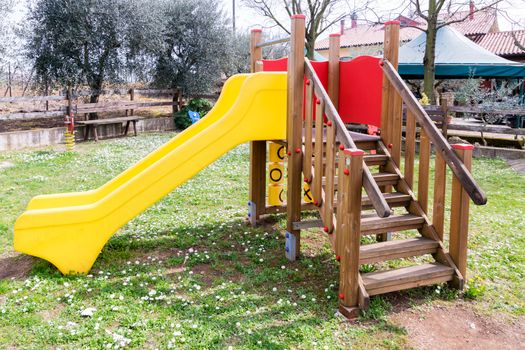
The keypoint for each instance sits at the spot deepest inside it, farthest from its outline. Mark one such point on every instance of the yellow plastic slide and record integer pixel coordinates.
(69, 230)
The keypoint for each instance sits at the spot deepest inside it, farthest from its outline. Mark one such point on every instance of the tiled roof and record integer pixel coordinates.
(481, 24)
(364, 35)
(503, 44)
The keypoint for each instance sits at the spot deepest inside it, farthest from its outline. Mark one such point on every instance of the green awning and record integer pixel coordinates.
(457, 57)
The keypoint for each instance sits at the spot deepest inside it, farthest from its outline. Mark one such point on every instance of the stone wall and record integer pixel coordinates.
(45, 137)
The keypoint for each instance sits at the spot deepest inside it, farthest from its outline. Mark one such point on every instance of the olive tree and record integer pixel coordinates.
(194, 45)
(80, 42)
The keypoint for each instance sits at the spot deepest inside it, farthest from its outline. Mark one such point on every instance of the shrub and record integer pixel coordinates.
(200, 105)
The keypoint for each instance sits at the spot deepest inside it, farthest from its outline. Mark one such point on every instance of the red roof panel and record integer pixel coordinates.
(364, 35)
(503, 43)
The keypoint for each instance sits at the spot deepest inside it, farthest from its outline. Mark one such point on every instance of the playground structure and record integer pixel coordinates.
(298, 114)
(337, 164)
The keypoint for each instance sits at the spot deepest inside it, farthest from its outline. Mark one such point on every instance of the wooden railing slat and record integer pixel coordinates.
(424, 168)
(440, 143)
(329, 175)
(318, 153)
(440, 182)
(378, 201)
(410, 148)
(308, 126)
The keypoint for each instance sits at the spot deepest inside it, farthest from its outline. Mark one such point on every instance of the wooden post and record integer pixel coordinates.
(333, 67)
(132, 98)
(294, 133)
(257, 200)
(443, 103)
(348, 239)
(255, 52)
(391, 106)
(10, 81)
(391, 49)
(459, 213)
(333, 92)
(69, 99)
(47, 94)
(175, 97)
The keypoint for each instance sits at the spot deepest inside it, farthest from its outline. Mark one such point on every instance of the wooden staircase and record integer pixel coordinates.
(408, 251)
(407, 217)
(356, 183)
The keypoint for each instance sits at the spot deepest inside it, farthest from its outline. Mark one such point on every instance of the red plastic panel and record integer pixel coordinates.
(321, 68)
(360, 90)
(281, 65)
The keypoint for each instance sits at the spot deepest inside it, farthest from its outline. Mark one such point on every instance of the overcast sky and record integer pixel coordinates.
(246, 18)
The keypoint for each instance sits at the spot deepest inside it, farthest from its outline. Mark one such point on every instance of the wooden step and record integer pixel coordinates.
(375, 159)
(382, 179)
(372, 224)
(376, 252)
(394, 199)
(385, 179)
(381, 282)
(370, 159)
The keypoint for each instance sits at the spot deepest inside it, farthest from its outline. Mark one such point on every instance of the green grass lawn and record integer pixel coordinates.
(190, 273)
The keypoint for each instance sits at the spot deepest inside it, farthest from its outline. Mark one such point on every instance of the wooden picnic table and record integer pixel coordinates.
(93, 124)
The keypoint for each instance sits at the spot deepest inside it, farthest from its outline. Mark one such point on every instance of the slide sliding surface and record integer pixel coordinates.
(72, 236)
(229, 94)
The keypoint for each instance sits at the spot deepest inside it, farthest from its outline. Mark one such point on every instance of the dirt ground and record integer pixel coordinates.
(14, 265)
(457, 326)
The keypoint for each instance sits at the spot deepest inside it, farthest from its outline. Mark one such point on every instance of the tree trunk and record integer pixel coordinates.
(430, 52)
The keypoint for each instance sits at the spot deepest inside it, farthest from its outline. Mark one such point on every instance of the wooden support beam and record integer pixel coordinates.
(255, 52)
(257, 200)
(390, 52)
(330, 147)
(294, 128)
(348, 239)
(333, 67)
(459, 213)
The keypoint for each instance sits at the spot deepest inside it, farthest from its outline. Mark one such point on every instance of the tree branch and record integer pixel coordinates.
(467, 16)
(518, 44)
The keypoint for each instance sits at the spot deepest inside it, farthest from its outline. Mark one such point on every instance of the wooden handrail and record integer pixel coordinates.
(374, 193)
(440, 143)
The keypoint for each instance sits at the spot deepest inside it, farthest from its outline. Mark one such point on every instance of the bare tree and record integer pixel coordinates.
(438, 14)
(320, 15)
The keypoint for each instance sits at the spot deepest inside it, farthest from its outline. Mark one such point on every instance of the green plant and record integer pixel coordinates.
(475, 288)
(200, 105)
(378, 309)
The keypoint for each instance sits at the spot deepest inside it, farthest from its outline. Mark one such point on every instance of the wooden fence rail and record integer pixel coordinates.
(72, 103)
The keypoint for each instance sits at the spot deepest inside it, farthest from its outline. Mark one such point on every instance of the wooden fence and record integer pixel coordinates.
(70, 103)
